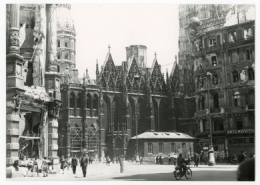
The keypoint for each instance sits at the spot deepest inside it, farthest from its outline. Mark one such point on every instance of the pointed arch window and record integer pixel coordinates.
(72, 104)
(88, 104)
(72, 101)
(78, 104)
(251, 74)
(95, 106)
(235, 76)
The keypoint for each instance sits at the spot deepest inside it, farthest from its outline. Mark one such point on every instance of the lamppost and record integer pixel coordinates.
(123, 132)
(137, 152)
(211, 149)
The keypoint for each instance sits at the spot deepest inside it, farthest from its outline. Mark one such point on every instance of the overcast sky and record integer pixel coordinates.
(121, 25)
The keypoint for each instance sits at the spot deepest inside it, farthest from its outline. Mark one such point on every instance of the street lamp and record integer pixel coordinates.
(211, 149)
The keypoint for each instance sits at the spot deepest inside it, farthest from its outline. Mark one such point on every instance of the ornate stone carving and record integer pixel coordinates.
(17, 100)
(14, 40)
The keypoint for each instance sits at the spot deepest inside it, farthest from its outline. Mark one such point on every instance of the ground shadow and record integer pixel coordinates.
(203, 175)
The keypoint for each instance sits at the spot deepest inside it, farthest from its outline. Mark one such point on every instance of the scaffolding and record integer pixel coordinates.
(91, 141)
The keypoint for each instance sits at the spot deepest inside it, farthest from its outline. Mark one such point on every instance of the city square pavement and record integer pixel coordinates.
(137, 172)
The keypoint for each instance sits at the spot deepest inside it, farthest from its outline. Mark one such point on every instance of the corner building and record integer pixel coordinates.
(221, 41)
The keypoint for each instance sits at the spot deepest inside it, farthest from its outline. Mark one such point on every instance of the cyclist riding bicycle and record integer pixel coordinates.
(181, 163)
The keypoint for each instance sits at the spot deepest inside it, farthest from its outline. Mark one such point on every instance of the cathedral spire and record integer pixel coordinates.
(109, 48)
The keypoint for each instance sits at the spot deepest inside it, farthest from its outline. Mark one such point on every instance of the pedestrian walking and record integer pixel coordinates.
(45, 167)
(157, 160)
(84, 164)
(74, 163)
(62, 164)
(241, 157)
(141, 160)
(35, 166)
(121, 162)
(68, 162)
(160, 160)
(196, 160)
(117, 158)
(108, 161)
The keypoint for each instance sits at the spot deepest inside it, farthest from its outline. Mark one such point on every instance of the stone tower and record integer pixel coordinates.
(66, 38)
(139, 51)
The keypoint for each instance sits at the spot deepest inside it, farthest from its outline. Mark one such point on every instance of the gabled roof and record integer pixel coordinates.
(175, 65)
(154, 62)
(108, 57)
(163, 135)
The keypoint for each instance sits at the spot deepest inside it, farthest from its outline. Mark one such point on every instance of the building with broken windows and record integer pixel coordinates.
(220, 41)
(32, 82)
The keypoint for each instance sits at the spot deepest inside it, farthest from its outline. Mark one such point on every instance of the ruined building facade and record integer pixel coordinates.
(219, 41)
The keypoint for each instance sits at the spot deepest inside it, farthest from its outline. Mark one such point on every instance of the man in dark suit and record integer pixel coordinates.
(74, 163)
(84, 164)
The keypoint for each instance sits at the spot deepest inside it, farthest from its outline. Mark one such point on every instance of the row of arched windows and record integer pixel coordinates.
(237, 76)
(91, 106)
(65, 56)
(66, 43)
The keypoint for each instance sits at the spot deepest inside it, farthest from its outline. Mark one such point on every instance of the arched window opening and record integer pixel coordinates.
(66, 44)
(251, 99)
(235, 76)
(78, 104)
(95, 106)
(216, 100)
(215, 79)
(58, 43)
(88, 104)
(115, 116)
(251, 74)
(72, 104)
(214, 61)
(202, 103)
(58, 55)
(66, 55)
(236, 99)
(72, 100)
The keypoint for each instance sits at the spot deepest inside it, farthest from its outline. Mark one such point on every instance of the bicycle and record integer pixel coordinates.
(187, 172)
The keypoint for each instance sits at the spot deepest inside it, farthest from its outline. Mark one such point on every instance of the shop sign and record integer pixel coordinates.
(211, 24)
(243, 131)
(205, 148)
